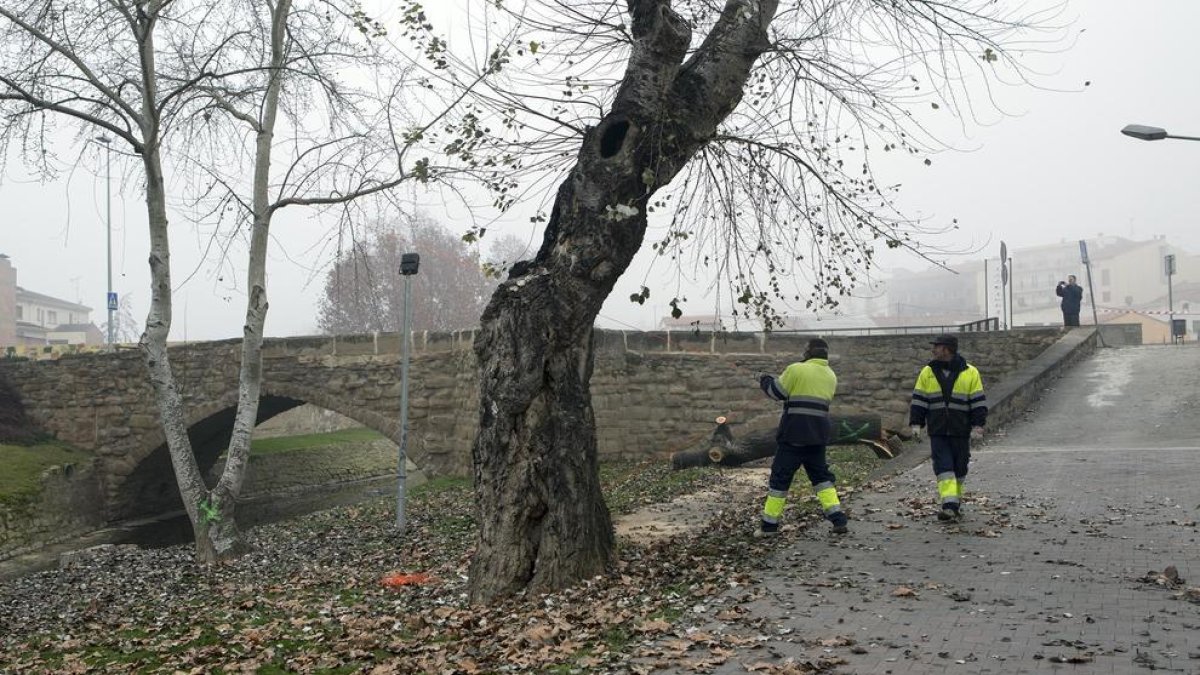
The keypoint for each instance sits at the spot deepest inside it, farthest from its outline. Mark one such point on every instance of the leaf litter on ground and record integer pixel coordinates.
(313, 596)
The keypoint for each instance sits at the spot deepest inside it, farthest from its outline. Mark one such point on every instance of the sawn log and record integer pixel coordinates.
(725, 450)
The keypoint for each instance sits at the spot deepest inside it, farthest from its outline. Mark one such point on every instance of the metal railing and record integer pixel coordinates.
(982, 325)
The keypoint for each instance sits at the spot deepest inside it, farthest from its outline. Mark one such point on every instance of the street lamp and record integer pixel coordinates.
(409, 262)
(110, 298)
(1145, 133)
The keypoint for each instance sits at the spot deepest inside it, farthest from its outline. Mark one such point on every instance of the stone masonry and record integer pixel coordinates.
(653, 393)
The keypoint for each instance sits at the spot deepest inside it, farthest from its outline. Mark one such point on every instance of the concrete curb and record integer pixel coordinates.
(1012, 397)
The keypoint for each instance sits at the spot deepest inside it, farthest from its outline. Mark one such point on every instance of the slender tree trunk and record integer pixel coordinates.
(223, 533)
(153, 343)
(542, 519)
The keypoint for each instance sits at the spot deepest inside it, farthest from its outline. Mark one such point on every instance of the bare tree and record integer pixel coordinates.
(750, 145)
(251, 104)
(363, 291)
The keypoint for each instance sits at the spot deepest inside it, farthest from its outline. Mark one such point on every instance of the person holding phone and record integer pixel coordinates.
(1072, 296)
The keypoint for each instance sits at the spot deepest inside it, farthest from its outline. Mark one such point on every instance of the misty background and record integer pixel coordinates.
(1038, 165)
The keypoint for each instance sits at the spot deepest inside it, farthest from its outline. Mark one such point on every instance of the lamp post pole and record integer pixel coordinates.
(108, 297)
(409, 262)
(1169, 265)
(1148, 133)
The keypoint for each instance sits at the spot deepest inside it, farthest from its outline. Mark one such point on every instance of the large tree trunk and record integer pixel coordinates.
(542, 519)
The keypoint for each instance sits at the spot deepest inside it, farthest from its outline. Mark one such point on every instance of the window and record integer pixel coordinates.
(1104, 278)
(1129, 301)
(41, 316)
(20, 312)
(52, 318)
(1106, 296)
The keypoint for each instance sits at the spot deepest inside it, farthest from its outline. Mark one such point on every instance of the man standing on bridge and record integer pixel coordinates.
(806, 389)
(1072, 297)
(948, 399)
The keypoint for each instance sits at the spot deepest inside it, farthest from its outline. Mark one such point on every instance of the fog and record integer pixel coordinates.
(1045, 163)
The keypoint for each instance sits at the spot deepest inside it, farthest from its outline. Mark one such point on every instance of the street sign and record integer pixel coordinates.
(1003, 252)
(1004, 272)
(1083, 252)
(112, 301)
(1169, 261)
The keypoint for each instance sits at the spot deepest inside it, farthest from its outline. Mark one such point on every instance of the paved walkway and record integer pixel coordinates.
(1071, 517)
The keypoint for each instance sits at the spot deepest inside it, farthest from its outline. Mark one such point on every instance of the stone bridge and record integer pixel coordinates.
(652, 393)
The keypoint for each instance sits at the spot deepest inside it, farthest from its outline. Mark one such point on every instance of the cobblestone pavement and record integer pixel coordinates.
(1073, 516)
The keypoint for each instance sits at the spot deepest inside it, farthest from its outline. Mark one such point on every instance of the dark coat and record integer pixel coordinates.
(1071, 296)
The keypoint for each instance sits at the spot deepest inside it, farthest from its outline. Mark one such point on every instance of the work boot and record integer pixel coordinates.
(766, 530)
(948, 514)
(839, 524)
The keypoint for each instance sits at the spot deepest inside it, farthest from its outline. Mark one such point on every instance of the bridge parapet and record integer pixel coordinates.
(651, 392)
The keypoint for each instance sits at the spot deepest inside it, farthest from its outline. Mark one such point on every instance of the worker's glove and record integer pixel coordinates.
(977, 433)
(916, 432)
(764, 379)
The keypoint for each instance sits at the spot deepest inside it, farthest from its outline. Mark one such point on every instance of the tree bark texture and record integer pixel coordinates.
(542, 519)
(153, 343)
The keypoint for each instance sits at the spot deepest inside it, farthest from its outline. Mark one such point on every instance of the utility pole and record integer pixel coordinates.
(1169, 267)
(110, 297)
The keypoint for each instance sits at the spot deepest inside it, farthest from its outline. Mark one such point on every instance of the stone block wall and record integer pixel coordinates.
(653, 393)
(69, 504)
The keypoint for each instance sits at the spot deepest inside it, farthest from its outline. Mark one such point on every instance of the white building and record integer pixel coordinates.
(33, 319)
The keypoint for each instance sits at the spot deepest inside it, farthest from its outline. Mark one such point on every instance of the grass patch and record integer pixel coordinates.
(23, 466)
(269, 446)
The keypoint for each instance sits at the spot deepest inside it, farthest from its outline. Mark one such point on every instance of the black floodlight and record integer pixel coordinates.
(409, 262)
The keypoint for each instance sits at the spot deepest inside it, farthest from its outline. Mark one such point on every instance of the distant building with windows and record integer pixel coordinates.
(33, 319)
(1125, 275)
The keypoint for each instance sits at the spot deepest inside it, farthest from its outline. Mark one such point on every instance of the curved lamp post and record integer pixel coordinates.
(1145, 133)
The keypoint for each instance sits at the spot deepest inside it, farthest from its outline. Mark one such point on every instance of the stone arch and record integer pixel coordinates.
(148, 487)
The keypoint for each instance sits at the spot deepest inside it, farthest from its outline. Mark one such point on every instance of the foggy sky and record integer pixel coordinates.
(1055, 168)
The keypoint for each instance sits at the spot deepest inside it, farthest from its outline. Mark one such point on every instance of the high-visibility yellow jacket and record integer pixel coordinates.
(807, 390)
(948, 398)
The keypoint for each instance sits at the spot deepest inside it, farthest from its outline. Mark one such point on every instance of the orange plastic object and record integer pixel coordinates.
(396, 579)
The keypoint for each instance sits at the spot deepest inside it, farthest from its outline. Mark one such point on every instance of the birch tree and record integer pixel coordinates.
(742, 127)
(253, 106)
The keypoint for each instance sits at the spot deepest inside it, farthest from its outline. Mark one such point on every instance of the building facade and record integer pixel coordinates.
(29, 319)
(8, 302)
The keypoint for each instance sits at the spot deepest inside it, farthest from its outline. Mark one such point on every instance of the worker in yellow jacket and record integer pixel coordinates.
(806, 389)
(948, 400)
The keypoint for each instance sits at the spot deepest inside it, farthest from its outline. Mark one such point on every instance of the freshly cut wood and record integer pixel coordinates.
(725, 450)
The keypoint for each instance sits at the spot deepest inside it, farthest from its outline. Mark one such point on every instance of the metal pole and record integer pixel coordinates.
(1171, 300)
(1012, 281)
(108, 220)
(987, 290)
(402, 468)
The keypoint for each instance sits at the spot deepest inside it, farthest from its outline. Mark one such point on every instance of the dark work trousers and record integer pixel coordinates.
(788, 460)
(1070, 319)
(951, 455)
